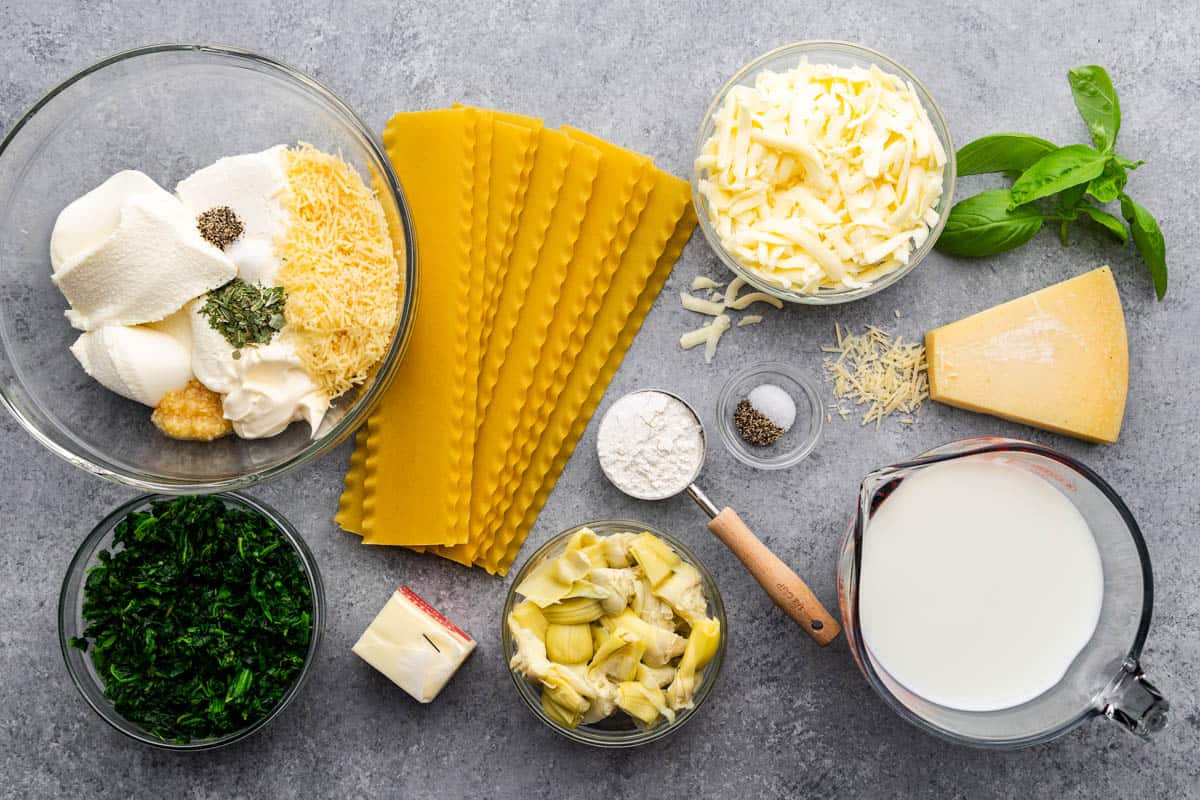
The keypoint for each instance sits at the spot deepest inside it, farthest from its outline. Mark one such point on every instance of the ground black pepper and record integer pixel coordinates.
(220, 226)
(754, 426)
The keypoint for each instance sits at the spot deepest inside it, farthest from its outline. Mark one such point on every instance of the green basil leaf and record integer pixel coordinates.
(984, 225)
(1069, 201)
(1149, 240)
(1003, 152)
(1097, 103)
(1110, 223)
(1109, 185)
(1126, 163)
(1060, 169)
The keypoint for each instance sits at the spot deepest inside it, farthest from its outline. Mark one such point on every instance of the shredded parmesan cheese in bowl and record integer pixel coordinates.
(822, 171)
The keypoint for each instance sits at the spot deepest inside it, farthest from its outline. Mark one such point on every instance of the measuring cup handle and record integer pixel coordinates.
(784, 586)
(1134, 703)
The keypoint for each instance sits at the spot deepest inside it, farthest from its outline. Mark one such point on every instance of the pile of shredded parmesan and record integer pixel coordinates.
(875, 370)
(716, 305)
(339, 269)
(822, 177)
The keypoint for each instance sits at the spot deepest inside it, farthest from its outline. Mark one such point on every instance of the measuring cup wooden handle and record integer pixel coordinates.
(783, 585)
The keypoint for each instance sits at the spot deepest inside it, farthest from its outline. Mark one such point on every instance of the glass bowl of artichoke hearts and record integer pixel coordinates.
(614, 633)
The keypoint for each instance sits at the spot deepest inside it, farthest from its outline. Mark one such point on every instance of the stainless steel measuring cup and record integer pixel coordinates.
(781, 583)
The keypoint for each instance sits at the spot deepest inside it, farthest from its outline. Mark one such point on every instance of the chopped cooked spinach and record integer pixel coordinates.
(200, 621)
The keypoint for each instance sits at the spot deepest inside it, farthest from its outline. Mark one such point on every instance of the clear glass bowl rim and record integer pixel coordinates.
(949, 174)
(77, 574)
(730, 437)
(387, 366)
(532, 698)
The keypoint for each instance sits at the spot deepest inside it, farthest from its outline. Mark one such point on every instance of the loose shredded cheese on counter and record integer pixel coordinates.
(339, 270)
(875, 370)
(716, 306)
(822, 177)
(708, 336)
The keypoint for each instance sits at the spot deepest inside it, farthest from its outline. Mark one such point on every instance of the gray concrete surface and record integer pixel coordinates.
(787, 719)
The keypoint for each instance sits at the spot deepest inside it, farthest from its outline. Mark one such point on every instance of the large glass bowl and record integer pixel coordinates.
(618, 730)
(71, 623)
(842, 54)
(166, 110)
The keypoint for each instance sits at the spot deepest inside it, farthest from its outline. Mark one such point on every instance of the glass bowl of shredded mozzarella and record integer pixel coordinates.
(824, 172)
(229, 158)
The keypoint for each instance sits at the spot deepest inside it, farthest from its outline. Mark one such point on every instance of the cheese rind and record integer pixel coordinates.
(416, 647)
(1056, 359)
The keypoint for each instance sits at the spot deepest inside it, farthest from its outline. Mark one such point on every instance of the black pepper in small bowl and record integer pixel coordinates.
(220, 226)
(754, 426)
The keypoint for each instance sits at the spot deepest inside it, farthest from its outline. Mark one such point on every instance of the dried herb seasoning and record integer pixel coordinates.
(198, 618)
(245, 313)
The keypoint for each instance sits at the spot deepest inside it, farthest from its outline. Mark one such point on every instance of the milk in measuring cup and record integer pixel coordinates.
(980, 584)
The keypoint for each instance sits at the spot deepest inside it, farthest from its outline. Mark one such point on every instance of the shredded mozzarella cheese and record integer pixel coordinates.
(822, 177)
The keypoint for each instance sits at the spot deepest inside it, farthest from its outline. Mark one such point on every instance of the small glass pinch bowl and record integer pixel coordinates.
(71, 623)
(842, 54)
(618, 730)
(798, 441)
(166, 110)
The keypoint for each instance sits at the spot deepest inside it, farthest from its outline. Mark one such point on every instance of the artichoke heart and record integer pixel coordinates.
(660, 645)
(563, 715)
(616, 549)
(569, 644)
(655, 677)
(552, 580)
(684, 592)
(700, 649)
(573, 611)
(618, 585)
(650, 608)
(616, 658)
(591, 546)
(528, 615)
(654, 556)
(643, 703)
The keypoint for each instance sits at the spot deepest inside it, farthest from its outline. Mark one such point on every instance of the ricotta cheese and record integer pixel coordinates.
(139, 363)
(128, 252)
(252, 185)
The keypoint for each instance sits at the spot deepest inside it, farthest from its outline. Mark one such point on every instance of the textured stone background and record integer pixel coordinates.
(787, 719)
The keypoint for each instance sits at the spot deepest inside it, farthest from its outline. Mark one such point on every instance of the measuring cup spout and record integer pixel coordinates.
(1134, 703)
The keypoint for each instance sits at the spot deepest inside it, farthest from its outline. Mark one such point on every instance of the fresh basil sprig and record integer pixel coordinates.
(1055, 184)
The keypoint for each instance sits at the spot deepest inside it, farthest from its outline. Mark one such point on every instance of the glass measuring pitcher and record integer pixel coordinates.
(1105, 679)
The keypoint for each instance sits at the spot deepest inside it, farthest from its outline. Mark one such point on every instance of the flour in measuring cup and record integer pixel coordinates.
(650, 445)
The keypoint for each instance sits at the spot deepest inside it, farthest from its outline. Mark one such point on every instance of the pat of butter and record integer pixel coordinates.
(414, 645)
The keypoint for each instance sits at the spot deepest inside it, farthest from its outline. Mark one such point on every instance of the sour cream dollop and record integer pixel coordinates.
(265, 389)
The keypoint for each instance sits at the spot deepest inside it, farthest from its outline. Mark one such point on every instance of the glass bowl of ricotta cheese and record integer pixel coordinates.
(161, 238)
(823, 172)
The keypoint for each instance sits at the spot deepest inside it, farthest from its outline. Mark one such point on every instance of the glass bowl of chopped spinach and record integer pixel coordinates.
(190, 623)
